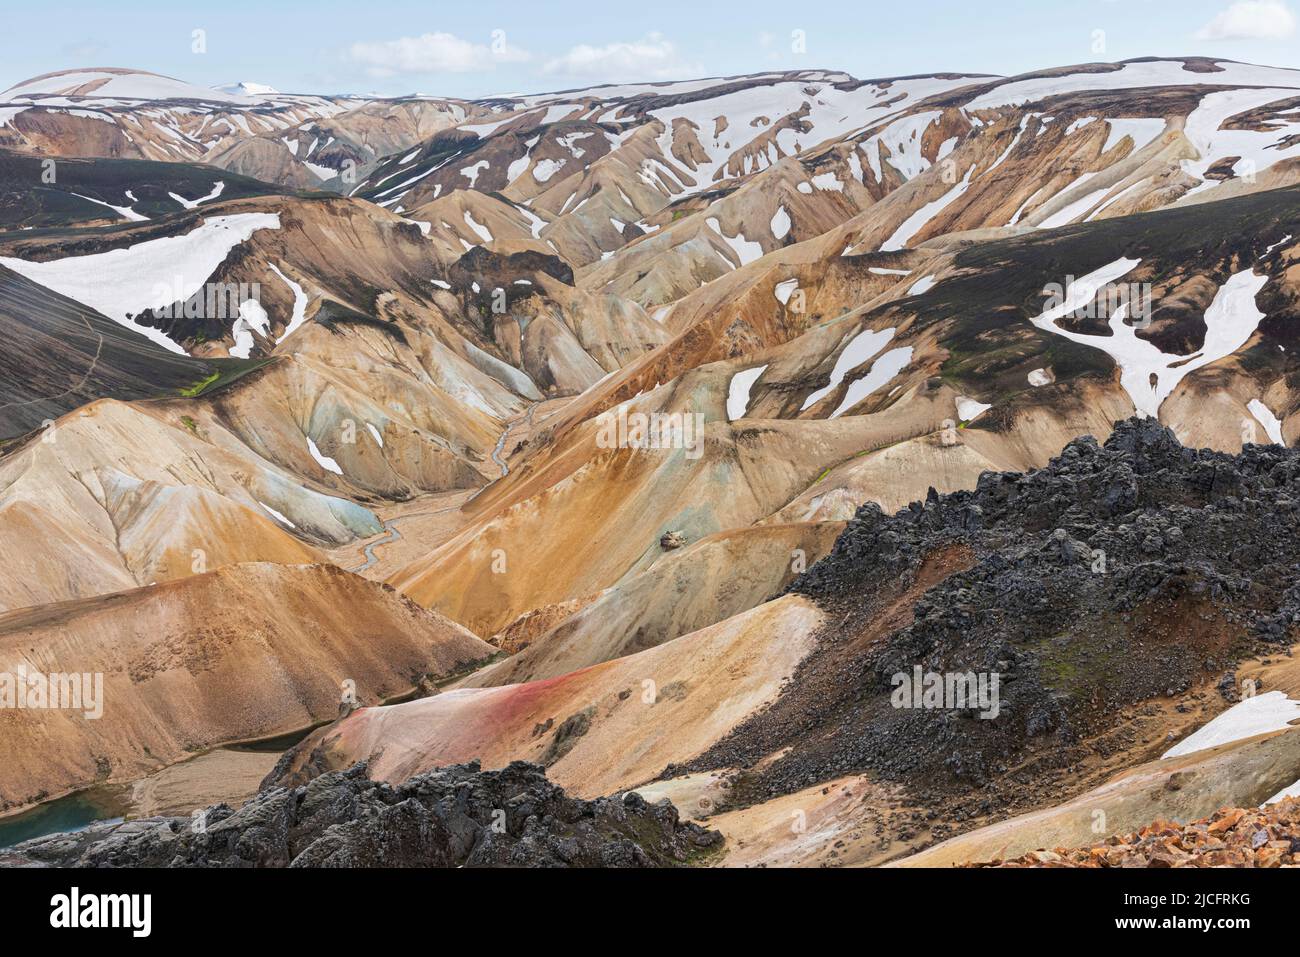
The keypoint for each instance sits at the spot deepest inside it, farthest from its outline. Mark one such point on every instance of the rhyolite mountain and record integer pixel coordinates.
(265, 344)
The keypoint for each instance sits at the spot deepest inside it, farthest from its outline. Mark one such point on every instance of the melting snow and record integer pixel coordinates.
(1230, 321)
(517, 168)
(471, 172)
(738, 391)
(1130, 76)
(860, 348)
(1071, 211)
(535, 222)
(217, 189)
(882, 370)
(479, 229)
(1114, 199)
(126, 211)
(924, 284)
(968, 409)
(1024, 122)
(279, 516)
(545, 169)
(745, 251)
(251, 317)
(916, 222)
(1255, 715)
(780, 223)
(1142, 129)
(151, 274)
(1265, 417)
(1256, 150)
(324, 461)
(299, 303)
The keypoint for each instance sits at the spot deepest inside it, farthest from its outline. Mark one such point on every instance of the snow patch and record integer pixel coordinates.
(1265, 417)
(217, 189)
(1260, 714)
(860, 348)
(480, 230)
(780, 223)
(922, 285)
(299, 315)
(1230, 320)
(471, 172)
(738, 391)
(882, 370)
(148, 275)
(968, 409)
(324, 461)
(917, 221)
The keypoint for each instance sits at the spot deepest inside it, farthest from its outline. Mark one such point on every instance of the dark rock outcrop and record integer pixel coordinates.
(1112, 577)
(457, 816)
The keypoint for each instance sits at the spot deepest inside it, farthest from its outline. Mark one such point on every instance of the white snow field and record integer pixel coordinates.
(916, 222)
(324, 461)
(738, 391)
(1256, 715)
(299, 315)
(882, 370)
(217, 188)
(1255, 150)
(860, 348)
(1230, 320)
(151, 274)
(1265, 417)
(1132, 76)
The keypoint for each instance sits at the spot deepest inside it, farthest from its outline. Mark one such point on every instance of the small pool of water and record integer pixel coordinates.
(277, 744)
(73, 812)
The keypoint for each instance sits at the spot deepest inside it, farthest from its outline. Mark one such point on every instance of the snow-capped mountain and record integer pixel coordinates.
(664, 422)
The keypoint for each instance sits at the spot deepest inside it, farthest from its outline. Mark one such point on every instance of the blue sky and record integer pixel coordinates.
(481, 48)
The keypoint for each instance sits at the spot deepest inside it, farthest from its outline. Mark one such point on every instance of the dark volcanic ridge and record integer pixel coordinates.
(458, 816)
(1115, 576)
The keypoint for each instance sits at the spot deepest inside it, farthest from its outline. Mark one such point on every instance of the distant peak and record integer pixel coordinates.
(246, 88)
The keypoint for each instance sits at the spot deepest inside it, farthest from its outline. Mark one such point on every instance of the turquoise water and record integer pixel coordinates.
(73, 812)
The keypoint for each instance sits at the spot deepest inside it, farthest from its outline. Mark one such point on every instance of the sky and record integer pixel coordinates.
(395, 47)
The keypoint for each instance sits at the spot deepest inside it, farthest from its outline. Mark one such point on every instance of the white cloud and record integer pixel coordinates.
(433, 53)
(1251, 20)
(650, 58)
